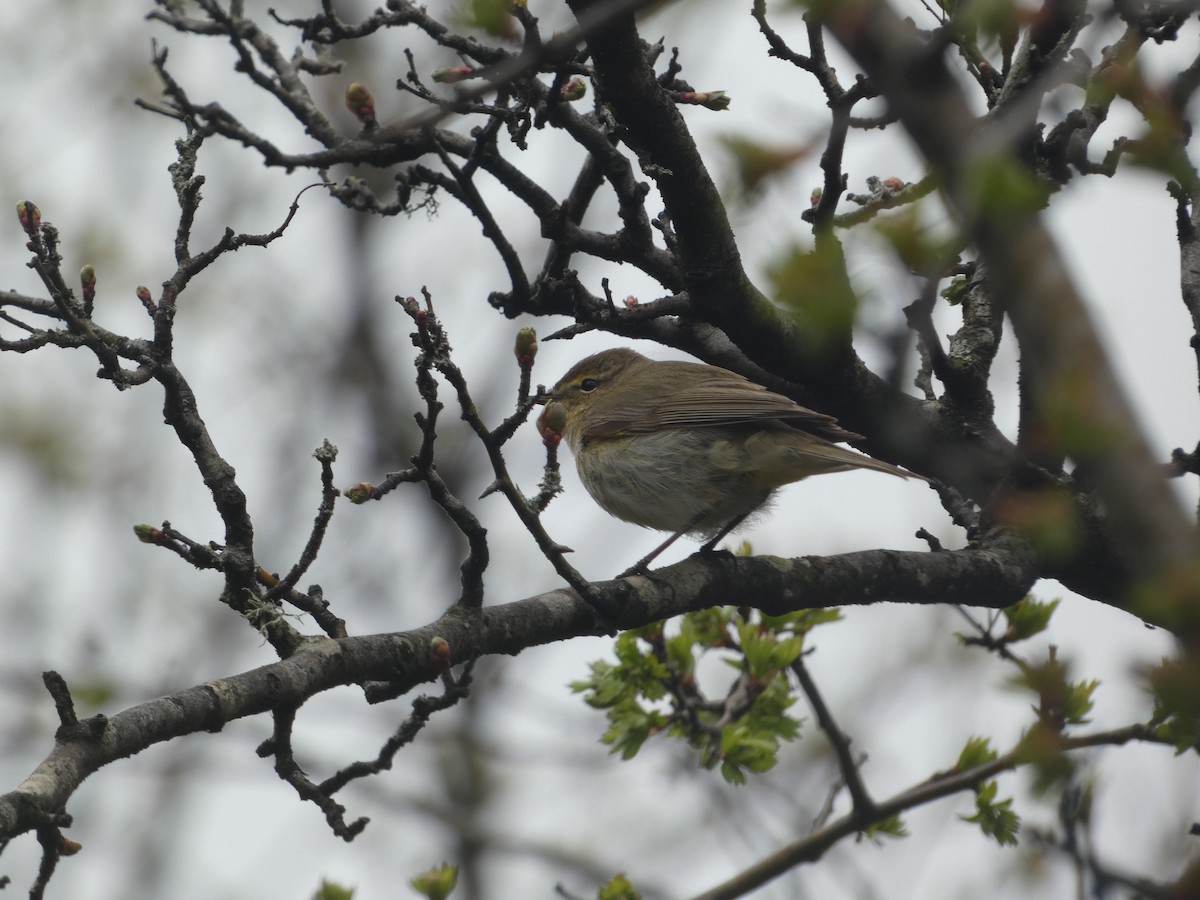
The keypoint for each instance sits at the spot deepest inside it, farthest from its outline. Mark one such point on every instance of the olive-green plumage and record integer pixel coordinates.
(687, 447)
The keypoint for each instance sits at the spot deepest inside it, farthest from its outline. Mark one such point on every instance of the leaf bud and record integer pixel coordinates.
(440, 647)
(148, 534)
(526, 347)
(360, 493)
(552, 423)
(143, 294)
(575, 89)
(451, 74)
(361, 102)
(717, 100)
(28, 215)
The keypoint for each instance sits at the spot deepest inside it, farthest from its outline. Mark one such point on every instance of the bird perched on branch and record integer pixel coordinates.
(686, 447)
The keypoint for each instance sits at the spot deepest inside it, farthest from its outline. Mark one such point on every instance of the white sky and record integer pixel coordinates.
(80, 464)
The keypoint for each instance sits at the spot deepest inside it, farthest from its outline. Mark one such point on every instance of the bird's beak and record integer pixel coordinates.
(543, 396)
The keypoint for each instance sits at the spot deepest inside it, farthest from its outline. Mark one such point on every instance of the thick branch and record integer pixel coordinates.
(994, 576)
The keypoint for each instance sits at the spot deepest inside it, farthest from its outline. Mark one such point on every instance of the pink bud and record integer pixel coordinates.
(28, 215)
(440, 648)
(575, 89)
(451, 74)
(552, 423)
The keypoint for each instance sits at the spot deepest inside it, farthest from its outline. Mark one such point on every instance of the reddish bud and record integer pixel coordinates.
(575, 89)
(717, 100)
(28, 215)
(451, 74)
(361, 102)
(894, 185)
(552, 423)
(67, 846)
(440, 647)
(526, 347)
(360, 493)
(87, 277)
(631, 301)
(148, 534)
(143, 294)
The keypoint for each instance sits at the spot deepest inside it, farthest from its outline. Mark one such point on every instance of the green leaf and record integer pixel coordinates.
(620, 888)
(1060, 702)
(1027, 618)
(976, 752)
(892, 826)
(331, 891)
(995, 818)
(956, 290)
(1176, 715)
(652, 687)
(802, 621)
(437, 883)
(629, 727)
(752, 743)
(765, 652)
(1079, 701)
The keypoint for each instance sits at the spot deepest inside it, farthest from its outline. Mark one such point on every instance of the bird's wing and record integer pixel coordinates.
(724, 399)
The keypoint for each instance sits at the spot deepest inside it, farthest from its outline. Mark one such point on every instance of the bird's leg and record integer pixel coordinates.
(639, 567)
(712, 542)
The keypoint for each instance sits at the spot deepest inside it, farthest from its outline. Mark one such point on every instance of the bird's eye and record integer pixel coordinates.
(589, 384)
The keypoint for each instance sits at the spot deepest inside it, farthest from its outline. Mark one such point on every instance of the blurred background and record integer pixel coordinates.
(302, 341)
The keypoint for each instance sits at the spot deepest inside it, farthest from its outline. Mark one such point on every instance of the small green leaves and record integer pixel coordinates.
(1060, 702)
(653, 687)
(995, 818)
(1027, 618)
(892, 826)
(976, 752)
(958, 288)
(1176, 715)
(766, 652)
(331, 891)
(620, 888)
(436, 883)
(1079, 701)
(752, 743)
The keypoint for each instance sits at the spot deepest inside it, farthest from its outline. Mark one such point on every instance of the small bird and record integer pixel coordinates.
(686, 447)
